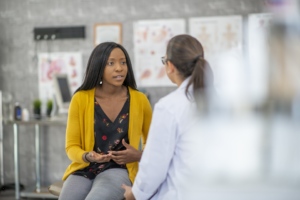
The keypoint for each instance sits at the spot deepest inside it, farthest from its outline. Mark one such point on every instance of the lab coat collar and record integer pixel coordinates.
(184, 83)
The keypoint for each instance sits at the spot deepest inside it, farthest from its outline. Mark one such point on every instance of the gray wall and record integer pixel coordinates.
(18, 68)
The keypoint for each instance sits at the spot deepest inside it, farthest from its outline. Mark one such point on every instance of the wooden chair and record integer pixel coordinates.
(55, 188)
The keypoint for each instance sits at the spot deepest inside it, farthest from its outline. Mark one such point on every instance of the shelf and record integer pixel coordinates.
(32, 193)
(47, 122)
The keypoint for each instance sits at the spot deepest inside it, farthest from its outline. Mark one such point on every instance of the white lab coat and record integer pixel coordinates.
(166, 160)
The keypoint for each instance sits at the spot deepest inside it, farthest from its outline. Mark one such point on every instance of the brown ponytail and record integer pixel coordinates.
(186, 53)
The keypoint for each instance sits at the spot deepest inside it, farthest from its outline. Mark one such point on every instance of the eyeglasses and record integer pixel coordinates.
(164, 60)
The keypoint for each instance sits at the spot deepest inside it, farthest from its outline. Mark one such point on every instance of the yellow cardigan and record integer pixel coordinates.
(80, 128)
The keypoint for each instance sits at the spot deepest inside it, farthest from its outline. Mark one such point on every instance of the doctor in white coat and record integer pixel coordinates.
(168, 158)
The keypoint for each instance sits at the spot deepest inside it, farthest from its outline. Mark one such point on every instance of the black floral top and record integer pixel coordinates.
(108, 136)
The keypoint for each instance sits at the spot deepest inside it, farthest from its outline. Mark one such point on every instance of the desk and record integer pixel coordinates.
(35, 192)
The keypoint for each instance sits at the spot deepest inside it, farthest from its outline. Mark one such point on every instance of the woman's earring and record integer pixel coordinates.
(100, 82)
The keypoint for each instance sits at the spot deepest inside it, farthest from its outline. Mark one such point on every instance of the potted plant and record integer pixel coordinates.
(37, 108)
(49, 107)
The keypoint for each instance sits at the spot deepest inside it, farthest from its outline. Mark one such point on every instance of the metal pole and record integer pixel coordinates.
(16, 161)
(37, 158)
(1, 143)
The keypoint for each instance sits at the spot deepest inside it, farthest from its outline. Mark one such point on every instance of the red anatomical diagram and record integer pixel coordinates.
(146, 74)
(161, 73)
(72, 62)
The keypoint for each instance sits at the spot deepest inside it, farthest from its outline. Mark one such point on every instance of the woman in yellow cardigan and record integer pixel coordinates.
(107, 118)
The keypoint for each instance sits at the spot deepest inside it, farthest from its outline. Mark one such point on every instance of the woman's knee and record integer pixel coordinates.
(107, 185)
(75, 188)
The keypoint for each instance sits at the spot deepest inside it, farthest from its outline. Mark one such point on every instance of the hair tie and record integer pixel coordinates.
(197, 57)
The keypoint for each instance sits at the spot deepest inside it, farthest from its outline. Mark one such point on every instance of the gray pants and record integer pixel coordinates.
(106, 186)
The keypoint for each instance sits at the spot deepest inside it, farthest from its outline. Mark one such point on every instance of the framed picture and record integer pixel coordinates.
(108, 32)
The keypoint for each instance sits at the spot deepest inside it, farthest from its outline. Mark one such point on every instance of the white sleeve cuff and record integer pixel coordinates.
(140, 195)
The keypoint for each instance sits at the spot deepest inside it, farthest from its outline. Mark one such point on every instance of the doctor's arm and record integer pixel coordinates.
(157, 156)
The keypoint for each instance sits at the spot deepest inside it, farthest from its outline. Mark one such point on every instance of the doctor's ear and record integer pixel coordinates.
(171, 68)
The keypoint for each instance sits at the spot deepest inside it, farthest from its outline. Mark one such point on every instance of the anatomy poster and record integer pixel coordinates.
(58, 63)
(258, 27)
(150, 41)
(218, 36)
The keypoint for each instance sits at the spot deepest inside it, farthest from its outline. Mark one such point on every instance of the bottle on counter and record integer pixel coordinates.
(18, 112)
(25, 114)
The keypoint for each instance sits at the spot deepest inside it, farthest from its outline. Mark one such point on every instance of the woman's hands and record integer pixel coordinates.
(128, 192)
(120, 157)
(126, 156)
(92, 156)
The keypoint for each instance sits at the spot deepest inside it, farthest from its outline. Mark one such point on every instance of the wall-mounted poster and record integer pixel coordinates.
(111, 32)
(58, 63)
(218, 36)
(150, 41)
(258, 25)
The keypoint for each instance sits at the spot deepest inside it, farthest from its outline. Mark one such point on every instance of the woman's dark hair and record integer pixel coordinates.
(97, 63)
(187, 55)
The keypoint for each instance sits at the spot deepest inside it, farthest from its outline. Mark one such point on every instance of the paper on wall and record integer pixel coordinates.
(218, 36)
(258, 25)
(150, 41)
(69, 63)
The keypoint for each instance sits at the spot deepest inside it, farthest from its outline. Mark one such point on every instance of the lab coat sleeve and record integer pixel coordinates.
(158, 153)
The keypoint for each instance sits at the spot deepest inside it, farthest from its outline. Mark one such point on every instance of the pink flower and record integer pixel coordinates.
(104, 137)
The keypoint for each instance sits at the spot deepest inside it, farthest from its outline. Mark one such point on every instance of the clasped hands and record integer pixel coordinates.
(120, 157)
